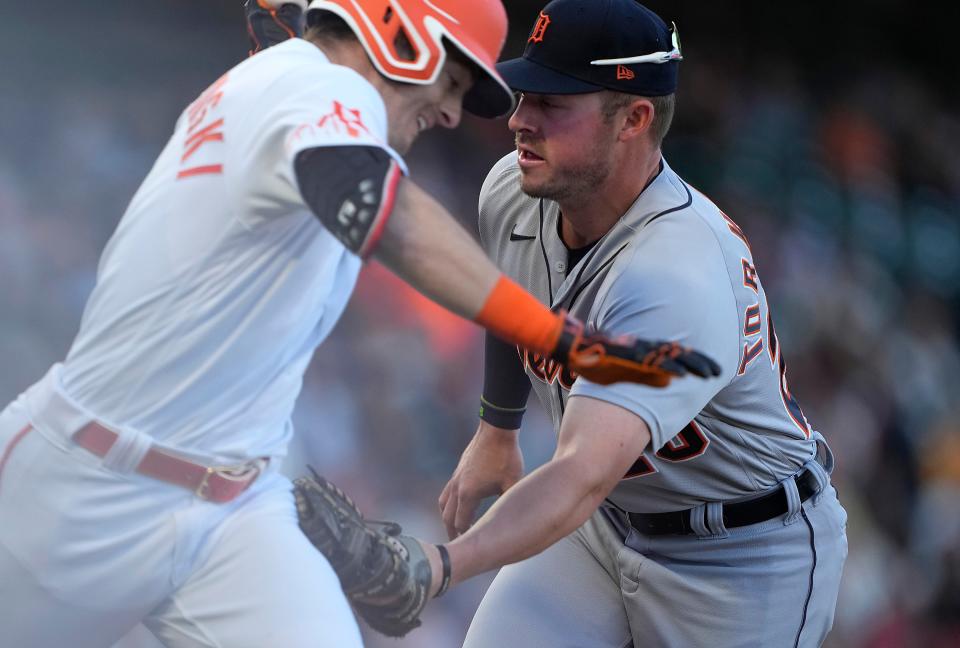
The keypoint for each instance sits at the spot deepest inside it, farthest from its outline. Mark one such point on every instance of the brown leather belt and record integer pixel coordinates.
(218, 484)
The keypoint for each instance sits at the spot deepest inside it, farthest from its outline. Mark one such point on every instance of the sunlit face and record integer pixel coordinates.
(564, 145)
(413, 109)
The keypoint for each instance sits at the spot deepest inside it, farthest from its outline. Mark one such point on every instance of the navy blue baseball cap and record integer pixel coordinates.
(581, 46)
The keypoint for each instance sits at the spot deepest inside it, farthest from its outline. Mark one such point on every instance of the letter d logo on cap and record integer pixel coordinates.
(536, 36)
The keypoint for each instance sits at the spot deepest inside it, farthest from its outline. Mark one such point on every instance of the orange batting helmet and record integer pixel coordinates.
(477, 28)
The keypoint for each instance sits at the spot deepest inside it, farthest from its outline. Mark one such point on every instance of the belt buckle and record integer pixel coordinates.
(235, 473)
(201, 490)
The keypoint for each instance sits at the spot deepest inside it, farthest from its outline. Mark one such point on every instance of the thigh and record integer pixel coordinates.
(828, 532)
(74, 571)
(34, 617)
(560, 598)
(260, 583)
(768, 585)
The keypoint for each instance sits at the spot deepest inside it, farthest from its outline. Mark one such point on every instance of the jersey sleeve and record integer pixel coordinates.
(661, 292)
(338, 110)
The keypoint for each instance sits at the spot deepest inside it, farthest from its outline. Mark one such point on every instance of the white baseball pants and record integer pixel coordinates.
(87, 551)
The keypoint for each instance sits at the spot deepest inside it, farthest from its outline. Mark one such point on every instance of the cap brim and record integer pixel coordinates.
(489, 97)
(524, 75)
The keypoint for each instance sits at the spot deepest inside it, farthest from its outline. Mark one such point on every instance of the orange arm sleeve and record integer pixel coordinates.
(513, 314)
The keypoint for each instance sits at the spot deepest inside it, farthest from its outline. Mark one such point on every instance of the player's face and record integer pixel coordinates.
(564, 145)
(413, 109)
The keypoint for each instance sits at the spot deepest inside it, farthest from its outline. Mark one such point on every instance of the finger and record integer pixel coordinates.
(449, 515)
(466, 507)
(449, 527)
(660, 356)
(700, 364)
(678, 360)
(445, 495)
(670, 365)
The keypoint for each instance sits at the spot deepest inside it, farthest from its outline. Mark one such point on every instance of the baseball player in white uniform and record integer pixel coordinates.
(701, 514)
(138, 478)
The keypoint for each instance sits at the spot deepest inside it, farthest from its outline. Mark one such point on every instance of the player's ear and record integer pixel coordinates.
(639, 115)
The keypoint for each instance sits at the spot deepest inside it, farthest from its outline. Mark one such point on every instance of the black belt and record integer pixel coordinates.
(737, 514)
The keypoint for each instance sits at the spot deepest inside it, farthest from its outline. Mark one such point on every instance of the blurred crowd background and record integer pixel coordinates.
(828, 131)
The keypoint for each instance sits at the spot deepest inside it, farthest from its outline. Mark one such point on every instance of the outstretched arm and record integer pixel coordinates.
(424, 245)
(389, 577)
(598, 443)
(360, 196)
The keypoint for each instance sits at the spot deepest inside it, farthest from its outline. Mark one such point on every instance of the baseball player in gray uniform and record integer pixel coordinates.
(718, 524)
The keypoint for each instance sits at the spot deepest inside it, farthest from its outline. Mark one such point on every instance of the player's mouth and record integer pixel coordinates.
(527, 157)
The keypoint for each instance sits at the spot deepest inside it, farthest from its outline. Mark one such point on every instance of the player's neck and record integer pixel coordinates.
(588, 218)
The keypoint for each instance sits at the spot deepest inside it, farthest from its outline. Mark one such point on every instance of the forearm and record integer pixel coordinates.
(598, 442)
(543, 507)
(423, 244)
(506, 386)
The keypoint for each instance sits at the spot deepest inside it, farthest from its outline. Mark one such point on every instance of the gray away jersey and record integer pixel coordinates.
(673, 268)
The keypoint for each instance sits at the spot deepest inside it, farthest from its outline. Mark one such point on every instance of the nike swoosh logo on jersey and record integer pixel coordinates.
(519, 237)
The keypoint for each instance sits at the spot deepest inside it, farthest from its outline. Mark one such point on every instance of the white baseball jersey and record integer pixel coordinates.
(673, 268)
(219, 282)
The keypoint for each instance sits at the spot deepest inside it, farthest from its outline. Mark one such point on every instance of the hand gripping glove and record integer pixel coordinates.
(605, 360)
(385, 575)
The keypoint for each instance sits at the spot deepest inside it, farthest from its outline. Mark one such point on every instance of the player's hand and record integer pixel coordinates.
(490, 465)
(604, 360)
(273, 21)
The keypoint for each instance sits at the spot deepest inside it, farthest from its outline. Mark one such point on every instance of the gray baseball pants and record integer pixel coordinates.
(774, 583)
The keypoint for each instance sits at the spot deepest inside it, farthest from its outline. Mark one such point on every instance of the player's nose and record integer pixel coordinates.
(520, 119)
(451, 111)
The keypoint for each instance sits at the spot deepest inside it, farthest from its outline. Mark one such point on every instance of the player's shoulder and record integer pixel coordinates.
(299, 71)
(292, 93)
(675, 236)
(705, 209)
(670, 208)
(686, 215)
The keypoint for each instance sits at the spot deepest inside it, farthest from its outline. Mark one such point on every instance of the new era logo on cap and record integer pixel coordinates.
(624, 73)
